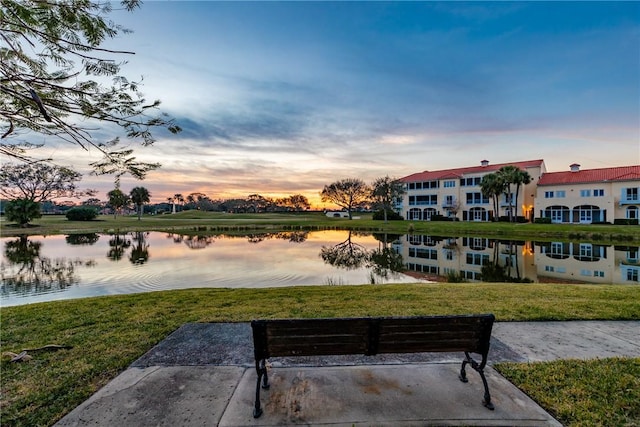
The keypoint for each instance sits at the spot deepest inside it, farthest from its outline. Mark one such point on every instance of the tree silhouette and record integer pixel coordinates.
(347, 254)
(118, 244)
(33, 273)
(140, 250)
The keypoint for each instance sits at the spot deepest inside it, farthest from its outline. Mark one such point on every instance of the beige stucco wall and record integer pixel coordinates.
(610, 202)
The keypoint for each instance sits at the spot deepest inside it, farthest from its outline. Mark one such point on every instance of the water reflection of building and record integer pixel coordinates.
(466, 257)
(482, 259)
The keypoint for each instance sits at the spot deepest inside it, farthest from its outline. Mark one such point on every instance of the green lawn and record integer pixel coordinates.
(109, 333)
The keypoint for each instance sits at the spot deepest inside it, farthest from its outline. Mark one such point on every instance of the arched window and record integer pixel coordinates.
(586, 214)
(478, 214)
(557, 213)
(415, 214)
(428, 212)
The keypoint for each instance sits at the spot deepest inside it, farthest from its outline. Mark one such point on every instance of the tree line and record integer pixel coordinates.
(28, 186)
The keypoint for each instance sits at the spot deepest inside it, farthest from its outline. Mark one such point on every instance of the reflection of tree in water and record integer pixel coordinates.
(177, 238)
(257, 238)
(140, 250)
(198, 242)
(385, 261)
(293, 236)
(202, 241)
(82, 239)
(347, 255)
(26, 272)
(118, 244)
(493, 271)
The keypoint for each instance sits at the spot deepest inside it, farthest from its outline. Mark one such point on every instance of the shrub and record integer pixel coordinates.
(22, 211)
(442, 218)
(625, 221)
(82, 214)
(454, 277)
(391, 215)
(542, 221)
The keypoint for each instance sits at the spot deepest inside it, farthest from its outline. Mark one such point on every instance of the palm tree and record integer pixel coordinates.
(139, 196)
(492, 186)
(177, 198)
(521, 178)
(509, 175)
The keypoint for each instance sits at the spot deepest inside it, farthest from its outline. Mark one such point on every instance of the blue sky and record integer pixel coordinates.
(279, 98)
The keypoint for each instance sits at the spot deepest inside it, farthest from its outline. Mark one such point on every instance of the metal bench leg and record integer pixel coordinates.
(480, 369)
(463, 372)
(487, 397)
(262, 377)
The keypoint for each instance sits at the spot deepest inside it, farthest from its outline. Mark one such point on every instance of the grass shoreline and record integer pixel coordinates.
(109, 333)
(196, 222)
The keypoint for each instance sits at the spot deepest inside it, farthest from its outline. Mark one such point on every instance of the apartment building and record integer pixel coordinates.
(456, 193)
(591, 195)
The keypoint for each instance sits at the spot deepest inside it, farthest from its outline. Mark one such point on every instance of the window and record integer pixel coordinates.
(631, 194)
(476, 199)
(449, 184)
(431, 199)
(469, 182)
(598, 192)
(548, 268)
(632, 212)
(598, 273)
(552, 194)
(585, 193)
(423, 253)
(477, 259)
(586, 250)
(632, 275)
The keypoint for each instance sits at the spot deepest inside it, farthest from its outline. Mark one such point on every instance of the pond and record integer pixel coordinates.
(39, 268)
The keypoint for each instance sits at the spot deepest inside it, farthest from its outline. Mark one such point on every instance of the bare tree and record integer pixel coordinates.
(38, 182)
(346, 193)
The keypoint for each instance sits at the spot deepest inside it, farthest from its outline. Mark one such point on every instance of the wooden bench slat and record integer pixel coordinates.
(318, 349)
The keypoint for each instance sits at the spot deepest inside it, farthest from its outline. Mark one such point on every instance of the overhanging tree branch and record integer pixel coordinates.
(41, 93)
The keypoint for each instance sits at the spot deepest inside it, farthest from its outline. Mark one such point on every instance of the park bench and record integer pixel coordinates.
(371, 336)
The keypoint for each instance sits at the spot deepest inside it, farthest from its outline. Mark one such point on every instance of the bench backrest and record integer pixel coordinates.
(370, 336)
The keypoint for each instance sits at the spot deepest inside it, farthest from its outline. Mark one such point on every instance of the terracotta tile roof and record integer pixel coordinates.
(460, 172)
(621, 173)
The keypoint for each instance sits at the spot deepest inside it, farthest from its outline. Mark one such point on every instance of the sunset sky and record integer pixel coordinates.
(281, 98)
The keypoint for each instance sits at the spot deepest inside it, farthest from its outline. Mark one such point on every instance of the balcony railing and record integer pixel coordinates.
(629, 200)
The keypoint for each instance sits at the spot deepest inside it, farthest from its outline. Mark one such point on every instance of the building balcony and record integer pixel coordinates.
(423, 204)
(629, 201)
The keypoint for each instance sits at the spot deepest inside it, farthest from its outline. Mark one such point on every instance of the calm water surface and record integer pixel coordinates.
(64, 267)
(36, 269)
